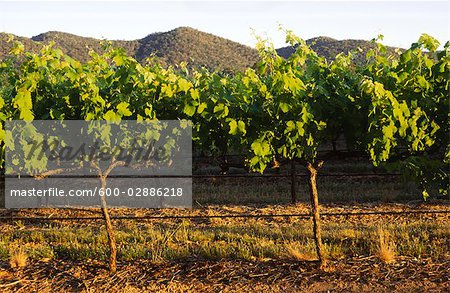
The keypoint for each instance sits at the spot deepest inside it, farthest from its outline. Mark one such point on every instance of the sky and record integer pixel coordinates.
(401, 22)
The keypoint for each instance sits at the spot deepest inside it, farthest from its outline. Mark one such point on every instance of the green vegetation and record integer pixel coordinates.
(394, 107)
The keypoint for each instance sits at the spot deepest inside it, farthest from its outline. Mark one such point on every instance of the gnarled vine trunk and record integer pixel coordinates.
(314, 197)
(108, 224)
(109, 230)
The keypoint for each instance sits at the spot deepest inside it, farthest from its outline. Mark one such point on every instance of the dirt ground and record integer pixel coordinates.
(365, 274)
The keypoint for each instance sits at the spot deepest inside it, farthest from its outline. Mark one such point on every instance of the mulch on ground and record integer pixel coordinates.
(357, 274)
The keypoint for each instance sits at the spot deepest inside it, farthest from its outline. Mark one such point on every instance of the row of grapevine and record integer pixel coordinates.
(394, 107)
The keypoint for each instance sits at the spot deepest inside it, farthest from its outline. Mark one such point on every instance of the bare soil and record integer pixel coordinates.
(358, 274)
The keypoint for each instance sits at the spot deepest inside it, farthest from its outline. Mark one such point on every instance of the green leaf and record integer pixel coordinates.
(122, 109)
(254, 161)
(237, 127)
(218, 108)
(434, 127)
(310, 140)
(201, 107)
(300, 129)
(118, 59)
(429, 42)
(195, 94)
(257, 148)
(285, 107)
(367, 86)
(397, 112)
(260, 148)
(2, 133)
(241, 127)
(22, 100)
(184, 85)
(379, 90)
(425, 194)
(90, 116)
(111, 116)
(292, 83)
(290, 126)
(406, 56)
(189, 110)
(405, 109)
(148, 112)
(167, 90)
(305, 115)
(423, 82)
(185, 123)
(233, 127)
(221, 108)
(26, 115)
(428, 63)
(18, 48)
(389, 131)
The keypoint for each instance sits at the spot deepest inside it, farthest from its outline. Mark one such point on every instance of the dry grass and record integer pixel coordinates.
(386, 249)
(419, 236)
(18, 258)
(296, 251)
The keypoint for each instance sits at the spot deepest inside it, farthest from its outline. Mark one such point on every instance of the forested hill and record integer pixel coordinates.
(181, 44)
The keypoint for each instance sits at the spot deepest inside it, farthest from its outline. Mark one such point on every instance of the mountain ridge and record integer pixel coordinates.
(186, 44)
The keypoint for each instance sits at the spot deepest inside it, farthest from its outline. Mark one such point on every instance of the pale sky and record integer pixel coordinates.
(400, 22)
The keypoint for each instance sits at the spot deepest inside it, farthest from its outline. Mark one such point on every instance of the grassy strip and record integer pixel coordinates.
(227, 238)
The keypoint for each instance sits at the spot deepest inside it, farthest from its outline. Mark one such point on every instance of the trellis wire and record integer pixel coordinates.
(174, 217)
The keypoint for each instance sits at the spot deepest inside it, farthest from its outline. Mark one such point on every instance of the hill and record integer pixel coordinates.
(79, 47)
(198, 49)
(181, 44)
(329, 47)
